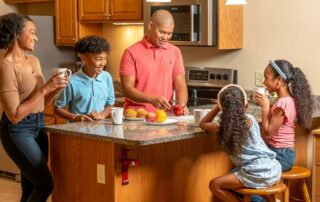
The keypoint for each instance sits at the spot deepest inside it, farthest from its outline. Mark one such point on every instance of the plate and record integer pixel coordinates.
(166, 122)
(134, 119)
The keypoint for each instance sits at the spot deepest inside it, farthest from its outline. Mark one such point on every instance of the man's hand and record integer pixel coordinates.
(161, 103)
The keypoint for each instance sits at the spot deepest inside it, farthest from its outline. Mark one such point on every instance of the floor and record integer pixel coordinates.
(10, 190)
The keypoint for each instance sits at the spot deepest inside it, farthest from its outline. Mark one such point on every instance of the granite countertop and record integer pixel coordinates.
(141, 133)
(131, 132)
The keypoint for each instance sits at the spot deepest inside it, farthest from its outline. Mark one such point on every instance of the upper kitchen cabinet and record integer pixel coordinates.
(66, 22)
(230, 26)
(68, 28)
(110, 10)
(25, 1)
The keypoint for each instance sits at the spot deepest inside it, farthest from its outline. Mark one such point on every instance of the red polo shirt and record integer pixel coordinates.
(154, 69)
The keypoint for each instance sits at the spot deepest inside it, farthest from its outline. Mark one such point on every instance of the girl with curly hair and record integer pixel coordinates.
(23, 96)
(239, 135)
(294, 104)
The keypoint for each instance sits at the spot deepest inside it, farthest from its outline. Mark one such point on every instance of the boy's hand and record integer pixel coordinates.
(82, 117)
(96, 115)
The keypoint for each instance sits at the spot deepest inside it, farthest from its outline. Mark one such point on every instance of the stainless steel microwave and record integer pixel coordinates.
(195, 20)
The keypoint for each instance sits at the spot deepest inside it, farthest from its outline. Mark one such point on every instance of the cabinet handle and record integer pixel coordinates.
(107, 15)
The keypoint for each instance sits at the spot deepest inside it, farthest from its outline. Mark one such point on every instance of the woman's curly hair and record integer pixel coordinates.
(300, 90)
(92, 44)
(11, 26)
(234, 130)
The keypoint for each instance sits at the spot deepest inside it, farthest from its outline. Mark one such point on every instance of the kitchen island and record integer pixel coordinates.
(89, 161)
(98, 161)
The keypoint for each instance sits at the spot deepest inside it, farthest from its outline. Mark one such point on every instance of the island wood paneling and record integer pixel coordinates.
(174, 171)
(171, 171)
(74, 169)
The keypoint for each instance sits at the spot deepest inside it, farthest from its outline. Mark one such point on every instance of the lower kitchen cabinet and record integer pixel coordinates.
(316, 166)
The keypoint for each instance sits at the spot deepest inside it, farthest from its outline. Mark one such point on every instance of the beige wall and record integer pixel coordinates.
(286, 29)
(120, 37)
(4, 8)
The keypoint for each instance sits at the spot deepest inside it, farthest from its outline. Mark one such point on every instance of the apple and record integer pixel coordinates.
(151, 117)
(178, 110)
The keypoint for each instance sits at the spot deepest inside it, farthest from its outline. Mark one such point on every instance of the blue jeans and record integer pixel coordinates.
(27, 145)
(285, 156)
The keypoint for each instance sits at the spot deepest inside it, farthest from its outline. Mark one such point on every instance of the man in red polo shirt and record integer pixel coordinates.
(151, 69)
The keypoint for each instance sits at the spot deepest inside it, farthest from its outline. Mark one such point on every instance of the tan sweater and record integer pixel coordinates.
(17, 84)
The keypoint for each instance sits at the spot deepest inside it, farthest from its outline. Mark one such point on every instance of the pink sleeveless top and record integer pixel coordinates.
(285, 136)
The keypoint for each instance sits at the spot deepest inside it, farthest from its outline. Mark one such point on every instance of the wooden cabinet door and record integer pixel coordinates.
(126, 9)
(66, 22)
(230, 26)
(110, 10)
(94, 10)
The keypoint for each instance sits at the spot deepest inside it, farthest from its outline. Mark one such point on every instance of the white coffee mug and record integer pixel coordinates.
(261, 90)
(63, 72)
(117, 115)
(199, 114)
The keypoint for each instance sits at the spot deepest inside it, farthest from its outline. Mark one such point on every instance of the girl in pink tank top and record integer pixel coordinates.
(294, 105)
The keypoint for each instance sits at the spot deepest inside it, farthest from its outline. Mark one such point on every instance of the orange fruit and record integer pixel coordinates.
(161, 116)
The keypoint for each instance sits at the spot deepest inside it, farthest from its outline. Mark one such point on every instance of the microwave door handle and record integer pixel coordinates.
(193, 13)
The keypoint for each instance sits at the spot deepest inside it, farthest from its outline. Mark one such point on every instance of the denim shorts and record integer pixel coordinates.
(285, 156)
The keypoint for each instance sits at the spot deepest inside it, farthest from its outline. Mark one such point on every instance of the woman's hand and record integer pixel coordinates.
(55, 83)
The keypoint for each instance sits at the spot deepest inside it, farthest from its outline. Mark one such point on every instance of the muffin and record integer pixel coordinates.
(142, 113)
(130, 113)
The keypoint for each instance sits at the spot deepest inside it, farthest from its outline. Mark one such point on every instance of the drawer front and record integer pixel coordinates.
(316, 181)
(317, 151)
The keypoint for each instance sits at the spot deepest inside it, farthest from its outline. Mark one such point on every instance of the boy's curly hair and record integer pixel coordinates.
(300, 90)
(234, 130)
(11, 26)
(92, 44)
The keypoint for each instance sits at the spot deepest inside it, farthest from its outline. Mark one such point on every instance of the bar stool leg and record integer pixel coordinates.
(286, 195)
(305, 190)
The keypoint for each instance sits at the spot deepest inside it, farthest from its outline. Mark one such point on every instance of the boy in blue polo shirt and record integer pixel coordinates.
(90, 93)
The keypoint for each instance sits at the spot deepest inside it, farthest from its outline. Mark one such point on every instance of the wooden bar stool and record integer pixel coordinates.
(269, 193)
(298, 173)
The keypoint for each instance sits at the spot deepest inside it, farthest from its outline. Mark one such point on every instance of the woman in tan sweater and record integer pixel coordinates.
(23, 95)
